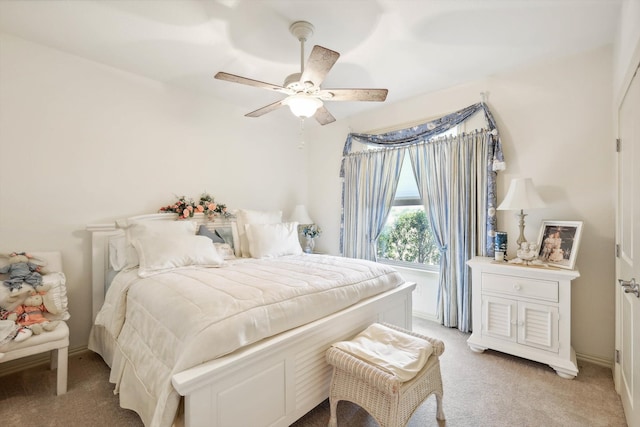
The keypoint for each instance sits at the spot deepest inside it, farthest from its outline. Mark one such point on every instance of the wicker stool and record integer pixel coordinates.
(387, 399)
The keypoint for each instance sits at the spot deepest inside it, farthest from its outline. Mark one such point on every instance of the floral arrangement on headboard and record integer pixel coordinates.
(187, 207)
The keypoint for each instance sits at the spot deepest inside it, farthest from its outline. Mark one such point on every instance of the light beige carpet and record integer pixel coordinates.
(489, 389)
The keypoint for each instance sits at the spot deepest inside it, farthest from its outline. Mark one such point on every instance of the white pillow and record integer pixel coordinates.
(247, 216)
(57, 280)
(160, 254)
(273, 240)
(118, 252)
(57, 292)
(142, 229)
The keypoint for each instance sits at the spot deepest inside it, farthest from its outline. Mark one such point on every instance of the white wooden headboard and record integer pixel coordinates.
(100, 236)
(103, 234)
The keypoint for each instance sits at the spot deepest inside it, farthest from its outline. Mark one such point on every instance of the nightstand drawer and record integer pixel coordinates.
(521, 286)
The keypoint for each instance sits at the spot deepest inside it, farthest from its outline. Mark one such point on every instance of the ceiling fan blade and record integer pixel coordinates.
(266, 109)
(378, 95)
(318, 65)
(250, 82)
(323, 116)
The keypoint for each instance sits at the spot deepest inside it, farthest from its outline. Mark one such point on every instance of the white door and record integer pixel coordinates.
(627, 368)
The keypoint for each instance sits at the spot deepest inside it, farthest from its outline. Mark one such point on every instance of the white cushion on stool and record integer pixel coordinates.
(395, 352)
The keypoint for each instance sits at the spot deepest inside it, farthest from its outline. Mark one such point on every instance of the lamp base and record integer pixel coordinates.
(521, 238)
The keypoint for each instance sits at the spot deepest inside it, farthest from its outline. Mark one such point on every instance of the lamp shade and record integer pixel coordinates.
(300, 215)
(522, 194)
(302, 105)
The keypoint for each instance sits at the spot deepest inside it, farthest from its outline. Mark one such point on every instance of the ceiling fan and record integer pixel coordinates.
(305, 97)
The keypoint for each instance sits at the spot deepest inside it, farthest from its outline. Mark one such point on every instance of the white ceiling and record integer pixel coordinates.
(408, 46)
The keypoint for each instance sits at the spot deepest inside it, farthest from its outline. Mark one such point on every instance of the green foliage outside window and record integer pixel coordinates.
(409, 239)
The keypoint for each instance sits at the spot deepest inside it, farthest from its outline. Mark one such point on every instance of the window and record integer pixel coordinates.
(407, 237)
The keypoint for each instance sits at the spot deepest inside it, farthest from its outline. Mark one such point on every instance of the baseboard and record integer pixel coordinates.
(607, 363)
(425, 316)
(35, 360)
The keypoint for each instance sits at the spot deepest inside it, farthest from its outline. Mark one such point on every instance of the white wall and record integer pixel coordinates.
(425, 296)
(556, 127)
(83, 143)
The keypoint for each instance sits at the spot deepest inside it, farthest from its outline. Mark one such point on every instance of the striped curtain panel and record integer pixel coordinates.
(370, 183)
(454, 177)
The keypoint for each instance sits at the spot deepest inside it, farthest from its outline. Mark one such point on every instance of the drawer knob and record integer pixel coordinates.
(517, 287)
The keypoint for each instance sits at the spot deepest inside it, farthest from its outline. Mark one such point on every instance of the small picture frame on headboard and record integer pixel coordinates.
(228, 231)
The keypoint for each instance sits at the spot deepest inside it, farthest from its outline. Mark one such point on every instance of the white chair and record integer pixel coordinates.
(55, 341)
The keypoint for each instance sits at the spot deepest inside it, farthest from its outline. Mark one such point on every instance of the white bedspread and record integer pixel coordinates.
(173, 321)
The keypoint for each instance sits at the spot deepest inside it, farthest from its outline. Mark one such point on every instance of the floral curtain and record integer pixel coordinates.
(454, 200)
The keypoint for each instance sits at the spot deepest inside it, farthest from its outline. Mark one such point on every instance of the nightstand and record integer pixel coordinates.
(524, 311)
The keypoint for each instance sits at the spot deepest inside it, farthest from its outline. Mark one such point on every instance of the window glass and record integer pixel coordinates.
(407, 237)
(407, 186)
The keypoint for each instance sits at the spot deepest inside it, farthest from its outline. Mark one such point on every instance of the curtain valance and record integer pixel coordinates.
(425, 131)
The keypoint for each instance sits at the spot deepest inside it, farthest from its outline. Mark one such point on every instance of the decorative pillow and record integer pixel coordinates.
(224, 250)
(273, 240)
(142, 229)
(55, 277)
(246, 216)
(158, 254)
(213, 235)
(58, 293)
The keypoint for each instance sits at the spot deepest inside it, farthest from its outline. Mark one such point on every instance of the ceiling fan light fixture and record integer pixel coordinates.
(303, 105)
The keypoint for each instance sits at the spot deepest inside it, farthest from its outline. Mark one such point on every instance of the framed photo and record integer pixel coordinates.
(558, 243)
(227, 229)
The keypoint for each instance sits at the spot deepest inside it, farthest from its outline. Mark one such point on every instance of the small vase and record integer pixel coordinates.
(310, 243)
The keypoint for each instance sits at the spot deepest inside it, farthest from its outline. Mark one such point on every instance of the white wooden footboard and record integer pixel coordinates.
(278, 380)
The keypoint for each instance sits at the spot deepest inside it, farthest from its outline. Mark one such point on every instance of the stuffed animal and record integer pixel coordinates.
(30, 314)
(21, 270)
(9, 329)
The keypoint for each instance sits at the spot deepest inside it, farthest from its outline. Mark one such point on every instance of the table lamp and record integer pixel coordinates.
(522, 195)
(300, 215)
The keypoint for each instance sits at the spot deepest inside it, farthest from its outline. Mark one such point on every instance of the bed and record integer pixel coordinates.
(227, 340)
